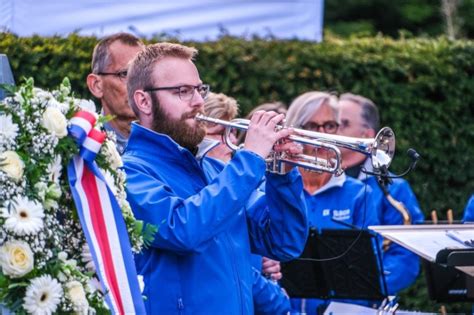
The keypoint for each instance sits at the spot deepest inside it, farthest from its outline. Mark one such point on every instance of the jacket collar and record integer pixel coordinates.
(334, 181)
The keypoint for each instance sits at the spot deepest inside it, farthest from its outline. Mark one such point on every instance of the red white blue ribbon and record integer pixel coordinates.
(102, 221)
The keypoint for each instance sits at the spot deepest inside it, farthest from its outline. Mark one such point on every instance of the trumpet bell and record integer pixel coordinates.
(383, 148)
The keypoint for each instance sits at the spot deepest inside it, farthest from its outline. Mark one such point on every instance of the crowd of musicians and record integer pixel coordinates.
(224, 222)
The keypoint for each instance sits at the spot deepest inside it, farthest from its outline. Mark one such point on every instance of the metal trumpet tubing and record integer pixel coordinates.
(381, 148)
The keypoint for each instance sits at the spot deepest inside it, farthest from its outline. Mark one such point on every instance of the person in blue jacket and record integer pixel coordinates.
(331, 200)
(469, 211)
(360, 118)
(210, 216)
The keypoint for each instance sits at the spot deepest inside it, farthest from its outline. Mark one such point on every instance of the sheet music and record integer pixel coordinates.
(427, 240)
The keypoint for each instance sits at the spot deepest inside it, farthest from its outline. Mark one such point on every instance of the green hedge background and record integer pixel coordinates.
(423, 87)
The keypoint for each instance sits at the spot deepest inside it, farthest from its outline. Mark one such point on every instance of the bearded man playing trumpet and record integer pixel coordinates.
(210, 216)
(329, 198)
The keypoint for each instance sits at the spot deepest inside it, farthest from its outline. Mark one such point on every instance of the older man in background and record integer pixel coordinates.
(360, 118)
(108, 81)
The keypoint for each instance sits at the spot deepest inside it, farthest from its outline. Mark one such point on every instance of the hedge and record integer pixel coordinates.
(424, 88)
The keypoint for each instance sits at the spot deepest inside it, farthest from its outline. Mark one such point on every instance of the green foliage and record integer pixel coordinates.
(419, 17)
(424, 88)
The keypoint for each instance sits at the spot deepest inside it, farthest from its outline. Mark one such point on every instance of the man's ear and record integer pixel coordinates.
(94, 83)
(143, 102)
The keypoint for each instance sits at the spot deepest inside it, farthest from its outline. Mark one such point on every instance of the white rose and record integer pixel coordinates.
(112, 155)
(16, 259)
(55, 122)
(12, 165)
(77, 295)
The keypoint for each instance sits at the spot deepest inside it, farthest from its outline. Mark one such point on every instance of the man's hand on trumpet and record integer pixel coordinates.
(263, 135)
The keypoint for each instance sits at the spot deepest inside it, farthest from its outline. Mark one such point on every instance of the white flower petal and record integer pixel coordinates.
(43, 295)
(25, 217)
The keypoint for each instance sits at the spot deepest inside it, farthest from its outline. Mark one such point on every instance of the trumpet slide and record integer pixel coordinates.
(380, 149)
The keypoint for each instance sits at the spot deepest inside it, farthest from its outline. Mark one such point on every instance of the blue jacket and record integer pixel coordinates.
(400, 265)
(344, 199)
(469, 211)
(209, 218)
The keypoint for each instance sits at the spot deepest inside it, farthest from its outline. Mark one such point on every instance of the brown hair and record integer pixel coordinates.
(140, 72)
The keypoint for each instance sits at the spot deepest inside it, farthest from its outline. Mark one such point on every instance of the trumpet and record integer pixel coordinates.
(380, 149)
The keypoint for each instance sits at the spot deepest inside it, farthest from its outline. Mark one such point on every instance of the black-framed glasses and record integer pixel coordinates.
(330, 126)
(122, 75)
(186, 92)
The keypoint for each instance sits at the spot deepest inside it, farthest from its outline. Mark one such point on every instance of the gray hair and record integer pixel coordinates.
(101, 55)
(303, 107)
(369, 111)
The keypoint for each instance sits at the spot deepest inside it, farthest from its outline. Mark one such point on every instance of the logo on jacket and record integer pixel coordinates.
(340, 215)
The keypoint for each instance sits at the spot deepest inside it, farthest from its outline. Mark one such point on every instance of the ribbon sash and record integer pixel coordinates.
(101, 220)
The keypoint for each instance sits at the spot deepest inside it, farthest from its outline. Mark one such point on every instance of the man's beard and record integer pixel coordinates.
(177, 129)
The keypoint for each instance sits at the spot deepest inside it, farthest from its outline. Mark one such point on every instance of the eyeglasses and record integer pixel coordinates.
(328, 126)
(122, 75)
(186, 92)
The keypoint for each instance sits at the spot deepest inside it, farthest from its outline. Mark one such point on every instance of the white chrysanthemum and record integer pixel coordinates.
(86, 258)
(25, 216)
(8, 129)
(43, 295)
(54, 169)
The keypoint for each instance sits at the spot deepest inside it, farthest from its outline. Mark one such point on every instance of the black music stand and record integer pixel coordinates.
(356, 275)
(445, 282)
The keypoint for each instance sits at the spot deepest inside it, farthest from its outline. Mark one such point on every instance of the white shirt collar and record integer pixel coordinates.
(368, 167)
(334, 181)
(205, 146)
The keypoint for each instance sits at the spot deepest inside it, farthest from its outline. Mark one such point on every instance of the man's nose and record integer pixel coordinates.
(197, 100)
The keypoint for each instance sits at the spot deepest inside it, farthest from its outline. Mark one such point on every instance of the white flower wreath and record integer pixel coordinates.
(45, 261)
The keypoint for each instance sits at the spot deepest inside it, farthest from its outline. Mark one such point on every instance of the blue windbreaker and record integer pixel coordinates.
(469, 211)
(210, 217)
(344, 199)
(400, 265)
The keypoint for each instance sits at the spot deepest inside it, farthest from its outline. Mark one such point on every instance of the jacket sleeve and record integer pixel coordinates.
(469, 211)
(277, 219)
(401, 268)
(187, 224)
(268, 297)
